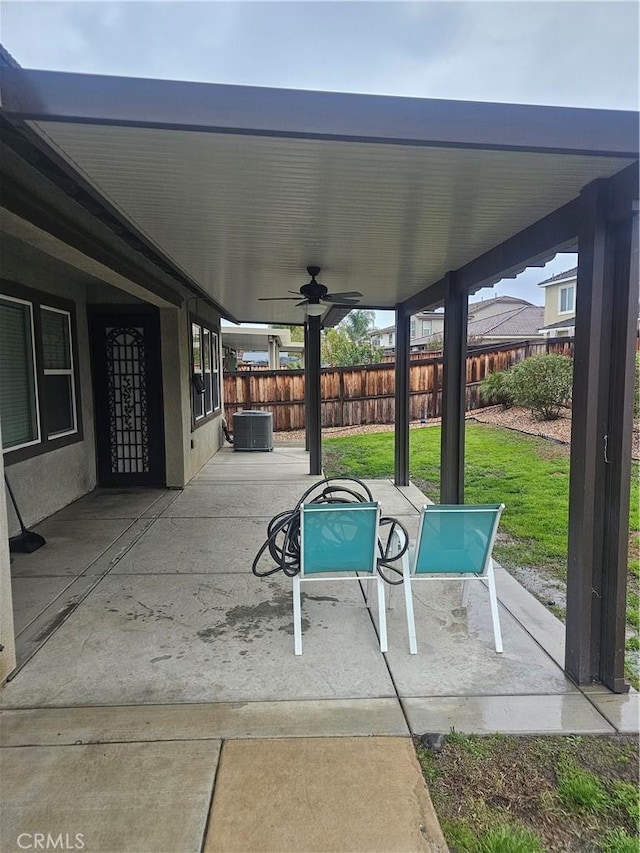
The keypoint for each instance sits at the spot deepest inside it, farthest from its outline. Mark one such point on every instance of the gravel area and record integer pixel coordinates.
(518, 419)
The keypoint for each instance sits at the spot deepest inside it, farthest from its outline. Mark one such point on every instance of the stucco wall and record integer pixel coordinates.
(175, 359)
(204, 440)
(46, 483)
(8, 653)
(552, 303)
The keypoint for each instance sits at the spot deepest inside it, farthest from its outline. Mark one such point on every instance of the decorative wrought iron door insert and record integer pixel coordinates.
(127, 387)
(126, 356)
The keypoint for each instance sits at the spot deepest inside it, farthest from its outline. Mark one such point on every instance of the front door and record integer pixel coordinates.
(127, 375)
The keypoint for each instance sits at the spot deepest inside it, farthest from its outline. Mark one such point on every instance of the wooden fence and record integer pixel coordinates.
(365, 394)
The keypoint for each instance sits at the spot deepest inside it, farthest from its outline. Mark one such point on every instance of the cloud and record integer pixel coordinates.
(569, 53)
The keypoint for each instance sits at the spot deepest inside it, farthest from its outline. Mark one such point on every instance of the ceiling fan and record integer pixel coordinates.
(315, 294)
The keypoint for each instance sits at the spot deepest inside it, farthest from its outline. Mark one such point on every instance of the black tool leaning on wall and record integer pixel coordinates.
(26, 541)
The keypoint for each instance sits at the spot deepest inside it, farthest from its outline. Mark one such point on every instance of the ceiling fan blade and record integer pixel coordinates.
(347, 294)
(277, 298)
(336, 299)
(304, 302)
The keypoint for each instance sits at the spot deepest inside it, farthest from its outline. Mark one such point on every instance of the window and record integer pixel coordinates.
(38, 394)
(18, 389)
(412, 333)
(390, 339)
(198, 383)
(206, 371)
(57, 363)
(426, 328)
(567, 299)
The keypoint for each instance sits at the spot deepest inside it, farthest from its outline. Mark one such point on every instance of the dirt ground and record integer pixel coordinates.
(477, 783)
(518, 419)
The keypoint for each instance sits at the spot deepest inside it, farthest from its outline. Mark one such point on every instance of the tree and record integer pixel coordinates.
(357, 324)
(338, 350)
(349, 343)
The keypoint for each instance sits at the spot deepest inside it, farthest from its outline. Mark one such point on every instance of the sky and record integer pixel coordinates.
(570, 53)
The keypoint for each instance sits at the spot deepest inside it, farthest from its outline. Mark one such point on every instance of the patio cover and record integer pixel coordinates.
(413, 202)
(240, 188)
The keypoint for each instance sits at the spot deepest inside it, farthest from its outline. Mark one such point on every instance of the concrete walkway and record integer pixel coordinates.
(150, 655)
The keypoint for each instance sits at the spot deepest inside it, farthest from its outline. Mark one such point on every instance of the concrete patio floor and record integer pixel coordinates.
(145, 642)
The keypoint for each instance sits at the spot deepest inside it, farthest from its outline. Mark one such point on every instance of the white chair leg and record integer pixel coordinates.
(408, 602)
(382, 615)
(297, 616)
(495, 617)
(368, 590)
(398, 543)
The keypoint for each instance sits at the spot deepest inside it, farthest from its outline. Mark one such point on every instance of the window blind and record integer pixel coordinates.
(56, 346)
(17, 380)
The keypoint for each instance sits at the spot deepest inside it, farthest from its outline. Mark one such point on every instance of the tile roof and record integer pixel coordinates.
(572, 273)
(567, 323)
(522, 321)
(496, 300)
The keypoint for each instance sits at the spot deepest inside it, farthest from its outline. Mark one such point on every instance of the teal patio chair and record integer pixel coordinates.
(454, 540)
(340, 540)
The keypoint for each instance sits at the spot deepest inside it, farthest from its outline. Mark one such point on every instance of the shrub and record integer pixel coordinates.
(496, 389)
(543, 384)
(636, 396)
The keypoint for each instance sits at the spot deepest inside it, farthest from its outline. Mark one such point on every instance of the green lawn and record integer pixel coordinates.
(529, 475)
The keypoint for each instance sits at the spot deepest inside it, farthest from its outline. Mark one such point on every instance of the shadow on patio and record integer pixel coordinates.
(146, 598)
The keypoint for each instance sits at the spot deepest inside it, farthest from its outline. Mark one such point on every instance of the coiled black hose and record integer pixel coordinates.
(283, 531)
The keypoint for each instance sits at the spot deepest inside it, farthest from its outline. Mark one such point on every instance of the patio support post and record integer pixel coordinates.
(274, 353)
(603, 382)
(312, 373)
(454, 370)
(401, 434)
(305, 359)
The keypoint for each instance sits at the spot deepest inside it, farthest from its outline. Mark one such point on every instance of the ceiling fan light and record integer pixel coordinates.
(314, 309)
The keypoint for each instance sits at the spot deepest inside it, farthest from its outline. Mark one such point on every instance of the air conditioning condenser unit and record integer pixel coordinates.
(253, 430)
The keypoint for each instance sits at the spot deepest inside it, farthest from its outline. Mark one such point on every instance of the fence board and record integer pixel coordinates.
(365, 395)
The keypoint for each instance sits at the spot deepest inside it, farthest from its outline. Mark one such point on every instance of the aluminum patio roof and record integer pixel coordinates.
(240, 188)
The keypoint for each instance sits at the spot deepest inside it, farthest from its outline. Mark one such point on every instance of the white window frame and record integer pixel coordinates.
(215, 371)
(68, 372)
(206, 335)
(565, 289)
(206, 332)
(413, 329)
(197, 371)
(34, 374)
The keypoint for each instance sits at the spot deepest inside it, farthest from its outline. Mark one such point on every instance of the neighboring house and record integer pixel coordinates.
(560, 304)
(496, 320)
(518, 324)
(423, 326)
